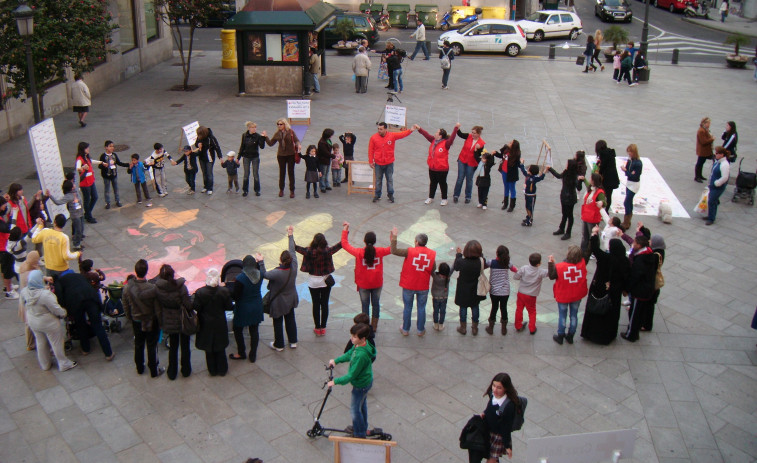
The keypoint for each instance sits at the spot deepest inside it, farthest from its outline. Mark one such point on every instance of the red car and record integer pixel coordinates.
(676, 5)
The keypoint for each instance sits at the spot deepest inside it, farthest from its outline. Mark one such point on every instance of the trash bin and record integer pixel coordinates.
(428, 14)
(551, 4)
(376, 10)
(494, 12)
(398, 14)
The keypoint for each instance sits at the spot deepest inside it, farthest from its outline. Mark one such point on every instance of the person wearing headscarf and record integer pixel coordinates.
(43, 314)
(613, 271)
(211, 302)
(248, 308)
(31, 263)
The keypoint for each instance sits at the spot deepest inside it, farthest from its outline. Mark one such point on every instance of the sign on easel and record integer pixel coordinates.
(395, 115)
(361, 178)
(46, 153)
(352, 450)
(298, 110)
(546, 161)
(605, 446)
(188, 132)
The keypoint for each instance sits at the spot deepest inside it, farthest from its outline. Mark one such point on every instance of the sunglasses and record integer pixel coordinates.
(279, 123)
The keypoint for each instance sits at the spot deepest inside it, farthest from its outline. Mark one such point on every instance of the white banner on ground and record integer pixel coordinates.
(46, 153)
(604, 446)
(395, 115)
(298, 109)
(190, 131)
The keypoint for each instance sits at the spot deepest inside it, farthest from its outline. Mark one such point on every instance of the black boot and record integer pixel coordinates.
(512, 205)
(504, 203)
(559, 231)
(566, 236)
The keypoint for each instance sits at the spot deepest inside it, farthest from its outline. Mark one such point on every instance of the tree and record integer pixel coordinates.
(67, 34)
(615, 35)
(195, 13)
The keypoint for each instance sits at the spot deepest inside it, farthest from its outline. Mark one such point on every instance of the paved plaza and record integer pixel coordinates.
(689, 387)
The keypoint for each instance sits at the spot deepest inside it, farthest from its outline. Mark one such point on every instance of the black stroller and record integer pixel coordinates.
(229, 273)
(113, 308)
(746, 182)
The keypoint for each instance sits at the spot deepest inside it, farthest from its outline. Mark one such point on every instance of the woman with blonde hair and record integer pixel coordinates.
(704, 148)
(252, 142)
(598, 37)
(289, 144)
(31, 263)
(632, 168)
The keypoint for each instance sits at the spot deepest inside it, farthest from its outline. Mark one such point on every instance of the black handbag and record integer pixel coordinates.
(597, 306)
(329, 280)
(580, 60)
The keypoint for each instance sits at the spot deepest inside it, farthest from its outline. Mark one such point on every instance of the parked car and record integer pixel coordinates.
(497, 35)
(613, 10)
(551, 23)
(365, 28)
(675, 5)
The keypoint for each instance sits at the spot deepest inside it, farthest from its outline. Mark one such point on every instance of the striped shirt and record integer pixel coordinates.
(499, 278)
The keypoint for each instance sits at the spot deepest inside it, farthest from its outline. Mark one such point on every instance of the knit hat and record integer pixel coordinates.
(657, 242)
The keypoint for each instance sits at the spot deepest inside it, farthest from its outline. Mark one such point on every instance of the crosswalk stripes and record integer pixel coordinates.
(687, 45)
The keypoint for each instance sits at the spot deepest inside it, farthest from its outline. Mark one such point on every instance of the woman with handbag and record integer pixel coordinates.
(173, 297)
(470, 263)
(248, 309)
(317, 261)
(287, 154)
(499, 414)
(283, 298)
(600, 323)
(211, 302)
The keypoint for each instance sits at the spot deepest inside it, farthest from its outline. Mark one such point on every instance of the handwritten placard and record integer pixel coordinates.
(298, 109)
(46, 154)
(190, 131)
(395, 115)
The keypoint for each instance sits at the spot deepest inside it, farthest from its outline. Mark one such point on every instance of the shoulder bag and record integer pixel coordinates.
(597, 306)
(268, 298)
(189, 323)
(483, 283)
(297, 157)
(659, 280)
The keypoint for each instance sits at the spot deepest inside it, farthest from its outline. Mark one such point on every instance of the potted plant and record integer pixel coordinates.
(345, 29)
(615, 35)
(736, 60)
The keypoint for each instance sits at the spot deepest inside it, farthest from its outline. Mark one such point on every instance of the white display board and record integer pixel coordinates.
(395, 115)
(361, 178)
(46, 153)
(298, 109)
(582, 448)
(353, 450)
(190, 132)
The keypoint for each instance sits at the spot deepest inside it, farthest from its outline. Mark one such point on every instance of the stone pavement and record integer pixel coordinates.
(689, 387)
(733, 24)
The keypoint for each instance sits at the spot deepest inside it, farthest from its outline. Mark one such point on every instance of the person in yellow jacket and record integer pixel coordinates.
(55, 245)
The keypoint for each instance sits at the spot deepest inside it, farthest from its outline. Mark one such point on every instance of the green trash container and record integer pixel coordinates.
(428, 14)
(398, 14)
(551, 4)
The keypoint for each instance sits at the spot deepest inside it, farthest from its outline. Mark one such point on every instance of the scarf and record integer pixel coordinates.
(36, 280)
(250, 268)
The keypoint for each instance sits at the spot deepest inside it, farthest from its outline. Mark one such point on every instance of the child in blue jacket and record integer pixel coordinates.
(137, 171)
(532, 178)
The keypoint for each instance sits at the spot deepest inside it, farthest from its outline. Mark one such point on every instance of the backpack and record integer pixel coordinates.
(474, 435)
(520, 414)
(445, 62)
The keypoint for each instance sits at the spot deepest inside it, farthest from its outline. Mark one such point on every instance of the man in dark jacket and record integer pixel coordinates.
(80, 299)
(141, 306)
(640, 287)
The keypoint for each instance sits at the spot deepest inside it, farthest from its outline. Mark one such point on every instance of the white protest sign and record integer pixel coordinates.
(582, 448)
(395, 115)
(298, 109)
(46, 153)
(190, 131)
(358, 453)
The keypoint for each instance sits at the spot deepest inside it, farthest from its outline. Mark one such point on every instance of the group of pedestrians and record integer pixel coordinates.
(721, 156)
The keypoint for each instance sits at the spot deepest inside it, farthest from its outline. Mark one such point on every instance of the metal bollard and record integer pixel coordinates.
(675, 56)
(551, 51)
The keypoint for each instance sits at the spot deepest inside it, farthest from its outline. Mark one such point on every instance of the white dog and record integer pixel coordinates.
(665, 212)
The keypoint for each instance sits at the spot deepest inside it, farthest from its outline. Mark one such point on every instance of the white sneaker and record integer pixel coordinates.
(14, 287)
(483, 207)
(228, 191)
(162, 195)
(210, 192)
(478, 205)
(293, 345)
(12, 294)
(428, 201)
(277, 349)
(444, 202)
(634, 84)
(149, 204)
(203, 190)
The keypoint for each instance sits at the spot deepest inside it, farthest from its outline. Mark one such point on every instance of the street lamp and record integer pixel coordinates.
(25, 23)
(644, 73)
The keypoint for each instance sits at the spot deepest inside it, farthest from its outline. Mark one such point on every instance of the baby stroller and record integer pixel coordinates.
(745, 185)
(113, 308)
(229, 273)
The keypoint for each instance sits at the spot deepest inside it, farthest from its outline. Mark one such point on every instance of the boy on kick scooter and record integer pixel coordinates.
(360, 375)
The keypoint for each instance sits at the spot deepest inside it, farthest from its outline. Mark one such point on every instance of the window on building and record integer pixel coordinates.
(126, 24)
(151, 21)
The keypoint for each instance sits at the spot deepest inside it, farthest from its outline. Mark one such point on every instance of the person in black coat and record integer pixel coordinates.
(509, 168)
(499, 416)
(208, 148)
(252, 142)
(469, 262)
(611, 276)
(568, 197)
(607, 169)
(173, 297)
(211, 303)
(81, 300)
(325, 154)
(484, 180)
(640, 287)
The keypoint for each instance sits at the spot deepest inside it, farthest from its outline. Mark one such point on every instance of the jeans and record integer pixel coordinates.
(254, 340)
(562, 307)
(91, 310)
(286, 166)
(464, 173)
(316, 84)
(320, 297)
(440, 309)
(473, 314)
(361, 84)
(445, 76)
(323, 181)
(510, 189)
(107, 182)
(278, 329)
(207, 174)
(149, 339)
(255, 163)
(713, 199)
(77, 230)
(388, 171)
(176, 341)
(398, 87)
(336, 176)
(407, 298)
(359, 410)
(89, 198)
(370, 297)
(437, 178)
(420, 45)
(189, 177)
(628, 203)
(143, 187)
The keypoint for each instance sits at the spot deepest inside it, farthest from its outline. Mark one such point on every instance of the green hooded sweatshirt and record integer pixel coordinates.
(360, 373)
